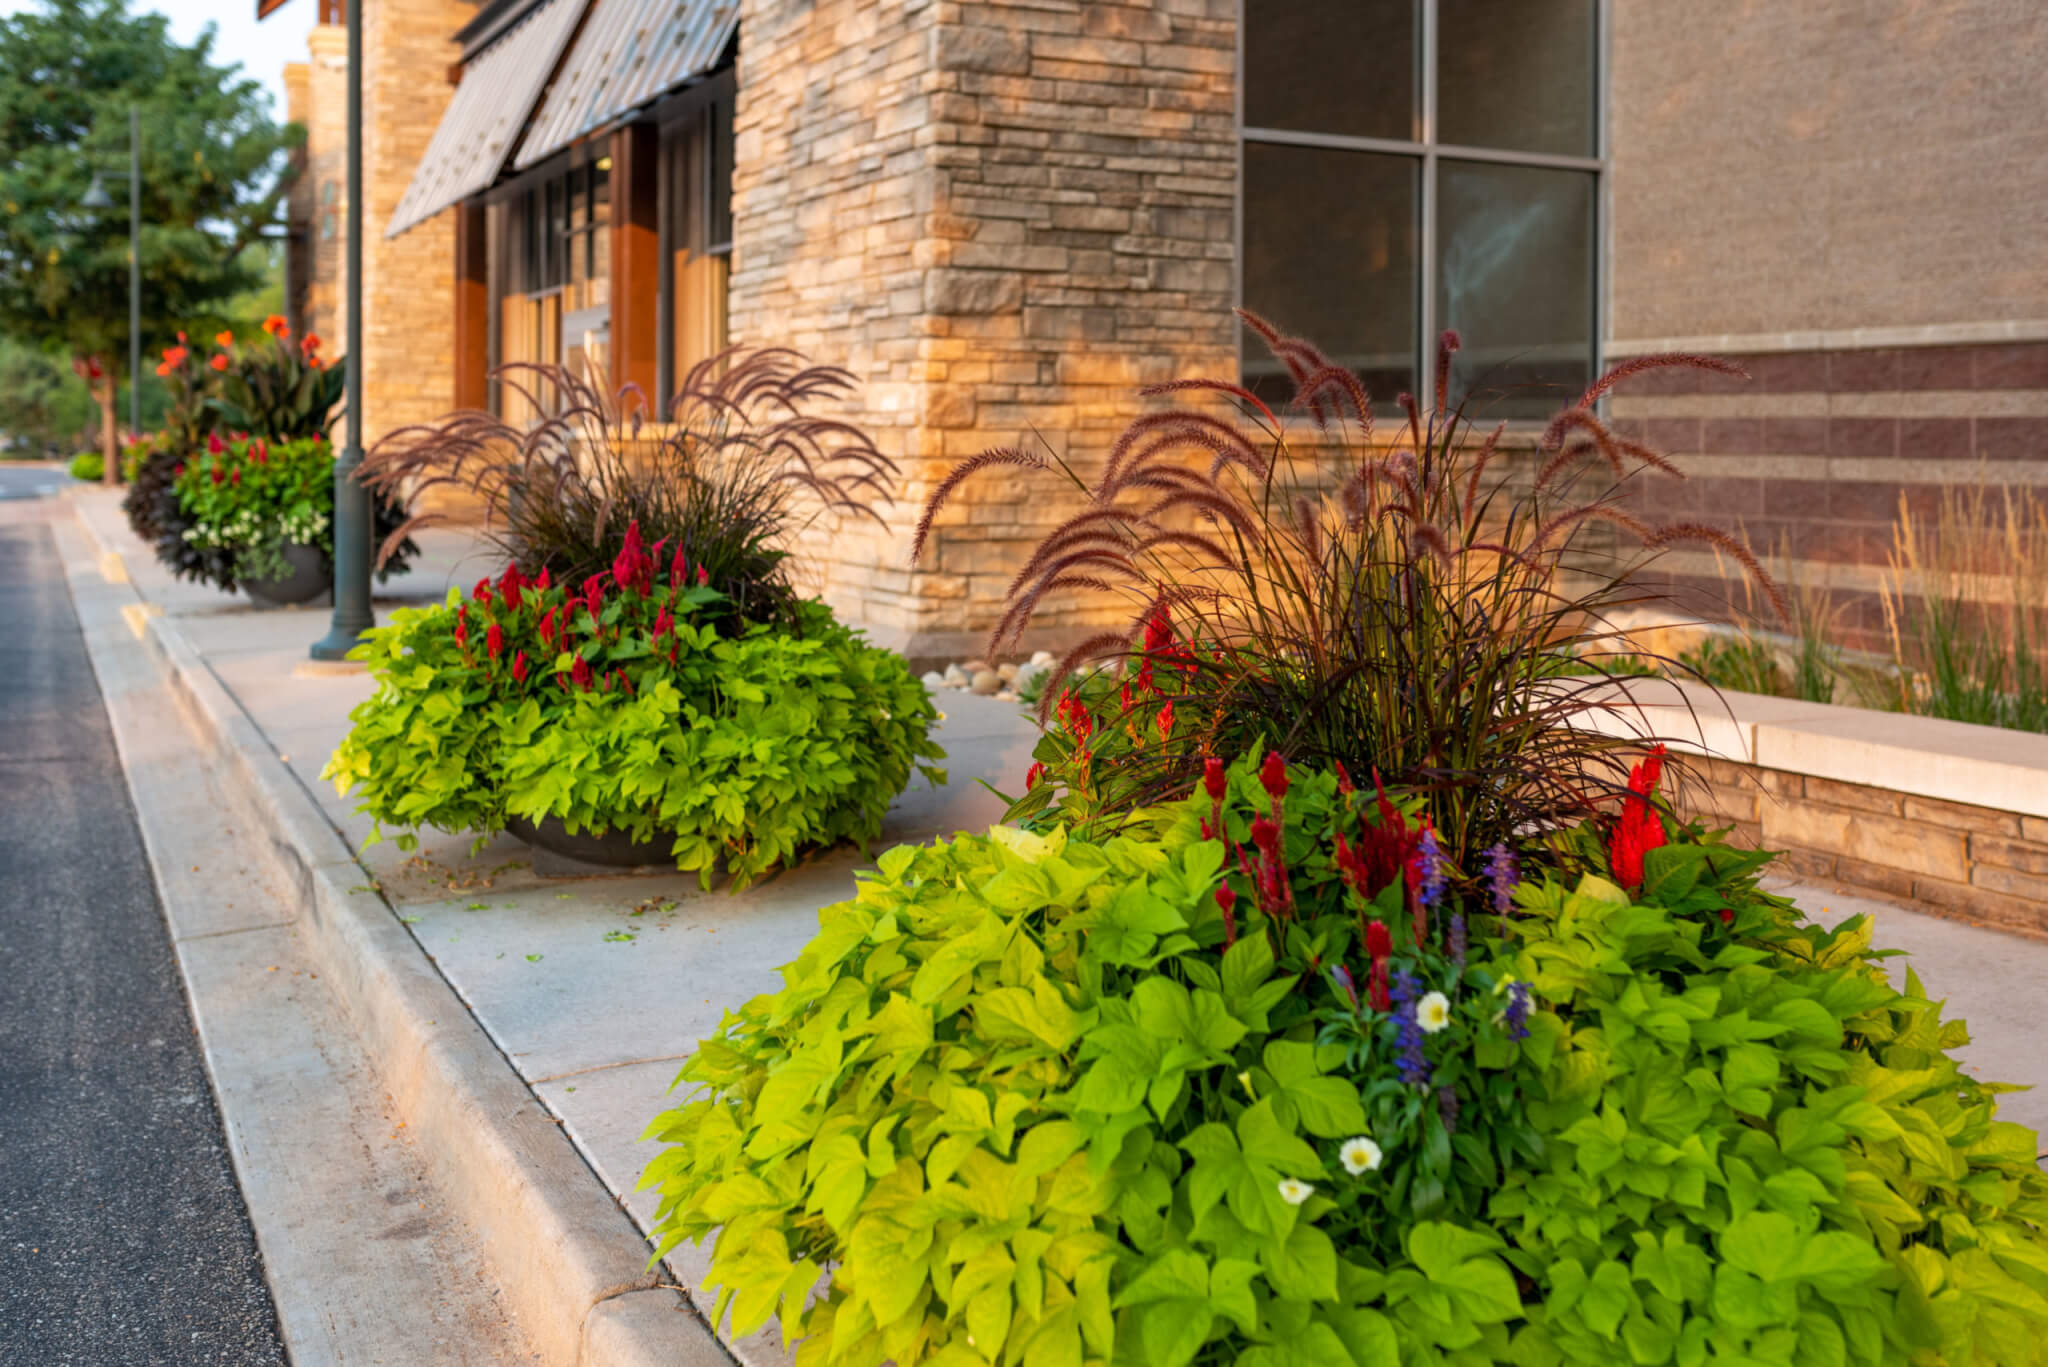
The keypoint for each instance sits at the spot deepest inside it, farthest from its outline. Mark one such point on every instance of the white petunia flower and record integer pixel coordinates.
(1294, 1191)
(1433, 1012)
(1360, 1156)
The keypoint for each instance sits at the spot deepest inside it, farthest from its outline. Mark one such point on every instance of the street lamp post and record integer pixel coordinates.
(352, 525)
(96, 197)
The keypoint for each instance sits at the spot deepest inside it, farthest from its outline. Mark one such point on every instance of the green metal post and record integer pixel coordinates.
(352, 524)
(134, 272)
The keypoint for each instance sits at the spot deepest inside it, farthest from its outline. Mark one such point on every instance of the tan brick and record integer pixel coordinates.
(2025, 856)
(1810, 863)
(1868, 836)
(1878, 877)
(1852, 795)
(1780, 784)
(2011, 882)
(2034, 828)
(1962, 817)
(1969, 902)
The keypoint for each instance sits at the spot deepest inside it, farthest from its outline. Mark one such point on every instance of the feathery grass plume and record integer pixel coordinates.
(1402, 611)
(739, 469)
(973, 465)
(1966, 607)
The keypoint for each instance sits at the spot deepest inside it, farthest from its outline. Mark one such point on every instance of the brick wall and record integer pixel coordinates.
(1003, 218)
(1814, 452)
(1946, 857)
(298, 84)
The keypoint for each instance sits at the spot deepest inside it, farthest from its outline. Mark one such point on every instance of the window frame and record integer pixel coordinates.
(1429, 152)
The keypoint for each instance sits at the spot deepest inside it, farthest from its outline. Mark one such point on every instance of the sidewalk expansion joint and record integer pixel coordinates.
(606, 1067)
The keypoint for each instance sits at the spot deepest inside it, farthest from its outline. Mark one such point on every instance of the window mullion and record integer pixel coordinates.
(1425, 245)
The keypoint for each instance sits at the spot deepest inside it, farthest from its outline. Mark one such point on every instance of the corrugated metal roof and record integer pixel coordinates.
(631, 52)
(497, 95)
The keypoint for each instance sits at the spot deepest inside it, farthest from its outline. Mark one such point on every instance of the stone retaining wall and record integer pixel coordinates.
(1949, 857)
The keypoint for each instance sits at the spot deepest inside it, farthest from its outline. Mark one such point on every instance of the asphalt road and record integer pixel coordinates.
(123, 1237)
(30, 481)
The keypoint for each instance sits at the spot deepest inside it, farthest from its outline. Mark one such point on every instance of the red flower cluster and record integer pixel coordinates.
(1640, 829)
(516, 611)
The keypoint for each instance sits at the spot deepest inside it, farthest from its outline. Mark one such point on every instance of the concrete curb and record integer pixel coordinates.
(572, 1265)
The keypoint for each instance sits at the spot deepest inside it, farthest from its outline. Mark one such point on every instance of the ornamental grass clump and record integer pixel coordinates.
(1249, 1078)
(741, 466)
(646, 664)
(1393, 602)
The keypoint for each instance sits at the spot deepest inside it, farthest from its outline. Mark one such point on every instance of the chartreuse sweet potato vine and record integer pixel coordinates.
(623, 707)
(1222, 1088)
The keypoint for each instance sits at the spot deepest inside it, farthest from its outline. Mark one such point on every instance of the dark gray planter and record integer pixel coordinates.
(612, 850)
(310, 577)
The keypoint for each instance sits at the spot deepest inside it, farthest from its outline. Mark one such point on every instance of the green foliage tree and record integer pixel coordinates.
(43, 412)
(214, 171)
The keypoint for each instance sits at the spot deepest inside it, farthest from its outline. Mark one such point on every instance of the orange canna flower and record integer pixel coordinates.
(224, 339)
(220, 363)
(163, 367)
(276, 326)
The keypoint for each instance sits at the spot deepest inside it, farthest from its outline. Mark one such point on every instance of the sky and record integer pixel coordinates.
(261, 49)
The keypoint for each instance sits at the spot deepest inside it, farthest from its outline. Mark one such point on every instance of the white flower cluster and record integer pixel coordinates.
(1359, 1155)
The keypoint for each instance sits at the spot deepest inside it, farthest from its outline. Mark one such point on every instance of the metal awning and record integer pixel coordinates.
(629, 53)
(499, 89)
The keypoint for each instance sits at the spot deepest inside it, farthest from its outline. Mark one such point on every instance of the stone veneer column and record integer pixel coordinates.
(327, 170)
(409, 282)
(1003, 218)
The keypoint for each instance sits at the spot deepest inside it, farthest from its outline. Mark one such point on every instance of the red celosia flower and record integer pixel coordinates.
(215, 472)
(1226, 902)
(632, 570)
(260, 451)
(1214, 781)
(179, 471)
(510, 585)
(494, 640)
(519, 667)
(1273, 774)
(1032, 776)
(235, 475)
(1345, 787)
(462, 625)
(678, 570)
(547, 628)
(579, 672)
(662, 622)
(703, 576)
(1265, 834)
(1166, 722)
(1639, 830)
(544, 583)
(214, 445)
(593, 595)
(1727, 916)
(482, 591)
(1383, 851)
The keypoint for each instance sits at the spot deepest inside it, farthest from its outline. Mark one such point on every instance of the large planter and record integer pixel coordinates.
(310, 577)
(612, 850)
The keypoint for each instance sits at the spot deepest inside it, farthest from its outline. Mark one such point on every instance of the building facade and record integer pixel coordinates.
(1005, 218)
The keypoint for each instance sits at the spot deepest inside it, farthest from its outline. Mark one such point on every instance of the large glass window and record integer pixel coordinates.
(1413, 165)
(551, 280)
(697, 156)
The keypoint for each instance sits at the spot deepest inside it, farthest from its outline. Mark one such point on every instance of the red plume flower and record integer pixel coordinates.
(1273, 774)
(1379, 943)
(547, 628)
(593, 595)
(462, 625)
(545, 582)
(494, 640)
(632, 570)
(579, 672)
(1226, 902)
(1166, 722)
(703, 576)
(1639, 830)
(510, 586)
(1214, 781)
(1032, 776)
(663, 621)
(519, 667)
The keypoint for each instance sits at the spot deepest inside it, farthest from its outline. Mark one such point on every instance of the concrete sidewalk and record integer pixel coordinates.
(595, 989)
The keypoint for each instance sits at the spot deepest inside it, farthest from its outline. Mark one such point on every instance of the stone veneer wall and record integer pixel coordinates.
(1003, 219)
(1947, 857)
(408, 282)
(327, 170)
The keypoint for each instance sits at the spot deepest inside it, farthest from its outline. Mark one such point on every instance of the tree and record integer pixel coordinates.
(41, 409)
(214, 172)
